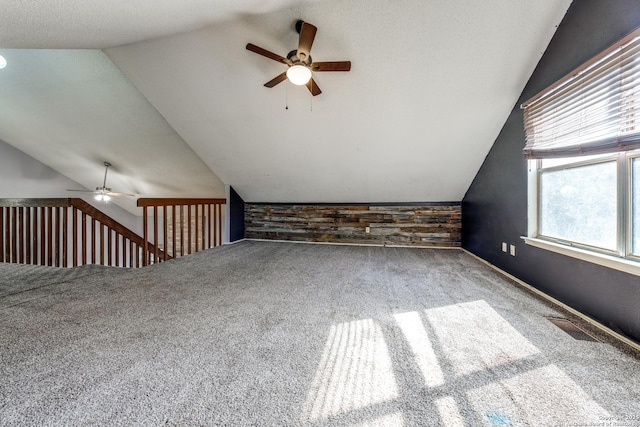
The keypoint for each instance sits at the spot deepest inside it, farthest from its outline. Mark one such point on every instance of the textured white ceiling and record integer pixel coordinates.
(431, 85)
(70, 24)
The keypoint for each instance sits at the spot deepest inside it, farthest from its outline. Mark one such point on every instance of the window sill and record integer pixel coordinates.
(625, 265)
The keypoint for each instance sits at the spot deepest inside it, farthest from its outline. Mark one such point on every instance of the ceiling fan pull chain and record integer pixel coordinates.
(286, 97)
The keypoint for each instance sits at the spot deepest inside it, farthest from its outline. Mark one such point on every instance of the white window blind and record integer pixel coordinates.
(594, 109)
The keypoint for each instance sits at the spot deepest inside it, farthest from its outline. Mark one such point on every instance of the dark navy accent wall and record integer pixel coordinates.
(236, 220)
(494, 210)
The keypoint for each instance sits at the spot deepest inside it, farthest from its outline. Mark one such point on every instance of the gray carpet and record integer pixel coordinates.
(261, 333)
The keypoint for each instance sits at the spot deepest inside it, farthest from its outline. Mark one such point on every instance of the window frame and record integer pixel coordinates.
(629, 211)
(578, 164)
(622, 258)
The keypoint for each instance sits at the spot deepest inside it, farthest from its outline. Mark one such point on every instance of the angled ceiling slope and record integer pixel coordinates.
(73, 109)
(430, 87)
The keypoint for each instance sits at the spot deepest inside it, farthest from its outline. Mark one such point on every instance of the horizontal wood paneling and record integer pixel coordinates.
(415, 225)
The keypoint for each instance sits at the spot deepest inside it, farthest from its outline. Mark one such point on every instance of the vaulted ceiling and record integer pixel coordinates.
(167, 92)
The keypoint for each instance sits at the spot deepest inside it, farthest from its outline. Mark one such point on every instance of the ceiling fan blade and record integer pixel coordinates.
(331, 66)
(111, 193)
(270, 55)
(313, 87)
(84, 191)
(307, 34)
(280, 78)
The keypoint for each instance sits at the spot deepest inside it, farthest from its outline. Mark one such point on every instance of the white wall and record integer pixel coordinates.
(22, 176)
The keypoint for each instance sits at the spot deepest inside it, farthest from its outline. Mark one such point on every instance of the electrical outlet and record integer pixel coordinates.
(512, 250)
(367, 230)
(504, 246)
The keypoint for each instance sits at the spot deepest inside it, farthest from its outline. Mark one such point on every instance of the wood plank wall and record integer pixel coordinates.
(411, 225)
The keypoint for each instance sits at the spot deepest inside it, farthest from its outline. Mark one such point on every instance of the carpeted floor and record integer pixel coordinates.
(267, 333)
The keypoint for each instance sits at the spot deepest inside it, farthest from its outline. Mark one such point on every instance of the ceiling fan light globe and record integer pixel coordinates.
(299, 75)
(102, 197)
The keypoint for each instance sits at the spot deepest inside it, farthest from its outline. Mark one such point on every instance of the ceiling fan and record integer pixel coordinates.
(104, 193)
(301, 66)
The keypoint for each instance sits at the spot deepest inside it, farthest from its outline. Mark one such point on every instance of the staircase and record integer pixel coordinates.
(68, 232)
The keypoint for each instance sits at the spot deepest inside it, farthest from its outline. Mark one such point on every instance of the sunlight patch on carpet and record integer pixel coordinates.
(543, 396)
(473, 336)
(355, 372)
(391, 420)
(449, 413)
(414, 332)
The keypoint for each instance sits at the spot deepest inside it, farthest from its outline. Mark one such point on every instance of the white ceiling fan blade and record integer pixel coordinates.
(85, 191)
(111, 193)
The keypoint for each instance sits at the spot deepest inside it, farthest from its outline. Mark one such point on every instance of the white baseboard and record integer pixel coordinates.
(234, 242)
(380, 245)
(593, 322)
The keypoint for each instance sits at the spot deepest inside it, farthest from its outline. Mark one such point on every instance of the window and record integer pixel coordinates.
(584, 150)
(592, 203)
(578, 203)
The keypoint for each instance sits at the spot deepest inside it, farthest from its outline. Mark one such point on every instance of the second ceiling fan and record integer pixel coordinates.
(104, 193)
(301, 66)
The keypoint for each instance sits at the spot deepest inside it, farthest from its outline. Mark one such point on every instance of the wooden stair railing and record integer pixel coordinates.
(201, 228)
(68, 232)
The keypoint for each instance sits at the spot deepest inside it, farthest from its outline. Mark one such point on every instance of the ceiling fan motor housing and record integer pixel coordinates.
(293, 57)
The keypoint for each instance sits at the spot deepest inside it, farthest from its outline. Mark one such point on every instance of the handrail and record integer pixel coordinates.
(202, 225)
(36, 203)
(45, 231)
(170, 202)
(36, 231)
(111, 223)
